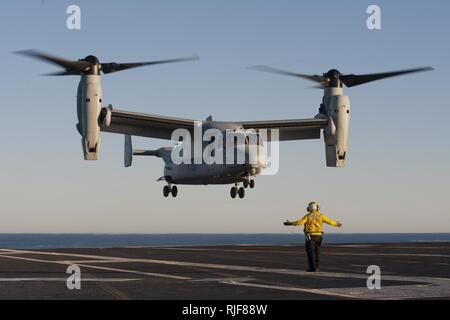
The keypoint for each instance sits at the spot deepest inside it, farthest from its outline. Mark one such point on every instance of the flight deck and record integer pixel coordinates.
(408, 271)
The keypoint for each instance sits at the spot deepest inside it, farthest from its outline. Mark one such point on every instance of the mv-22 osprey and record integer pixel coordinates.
(93, 117)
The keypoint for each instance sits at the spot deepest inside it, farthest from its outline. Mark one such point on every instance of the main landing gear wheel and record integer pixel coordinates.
(245, 184)
(252, 184)
(241, 192)
(166, 191)
(233, 192)
(174, 191)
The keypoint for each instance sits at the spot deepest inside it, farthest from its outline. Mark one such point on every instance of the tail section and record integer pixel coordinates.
(129, 152)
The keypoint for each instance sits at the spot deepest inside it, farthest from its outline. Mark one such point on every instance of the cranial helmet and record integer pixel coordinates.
(312, 207)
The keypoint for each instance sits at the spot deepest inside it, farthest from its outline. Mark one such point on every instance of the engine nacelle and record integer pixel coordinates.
(90, 148)
(105, 117)
(336, 134)
(89, 108)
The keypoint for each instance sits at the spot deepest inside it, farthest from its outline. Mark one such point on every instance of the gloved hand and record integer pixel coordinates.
(339, 224)
(287, 223)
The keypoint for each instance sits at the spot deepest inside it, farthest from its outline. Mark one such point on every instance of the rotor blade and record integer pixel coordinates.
(319, 86)
(62, 73)
(71, 67)
(115, 67)
(314, 78)
(352, 80)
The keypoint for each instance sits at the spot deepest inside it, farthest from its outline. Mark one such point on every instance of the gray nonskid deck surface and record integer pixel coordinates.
(408, 271)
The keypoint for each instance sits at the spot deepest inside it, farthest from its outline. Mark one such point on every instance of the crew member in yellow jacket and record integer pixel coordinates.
(313, 222)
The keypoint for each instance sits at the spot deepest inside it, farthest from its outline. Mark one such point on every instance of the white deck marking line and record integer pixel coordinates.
(151, 274)
(223, 279)
(59, 254)
(322, 292)
(248, 282)
(89, 261)
(9, 253)
(224, 250)
(397, 292)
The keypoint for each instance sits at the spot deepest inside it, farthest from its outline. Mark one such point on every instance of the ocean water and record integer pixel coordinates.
(41, 241)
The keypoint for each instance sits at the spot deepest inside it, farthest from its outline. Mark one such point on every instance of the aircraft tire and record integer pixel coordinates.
(174, 191)
(233, 192)
(166, 191)
(241, 192)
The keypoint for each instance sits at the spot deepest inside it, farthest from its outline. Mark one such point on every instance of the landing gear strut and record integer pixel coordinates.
(168, 189)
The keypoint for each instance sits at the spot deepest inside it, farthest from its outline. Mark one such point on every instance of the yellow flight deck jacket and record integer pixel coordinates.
(313, 223)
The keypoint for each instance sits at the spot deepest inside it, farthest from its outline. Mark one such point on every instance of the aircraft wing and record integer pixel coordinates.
(295, 129)
(146, 125)
(161, 127)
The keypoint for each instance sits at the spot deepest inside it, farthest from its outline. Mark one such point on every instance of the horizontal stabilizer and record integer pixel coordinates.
(150, 153)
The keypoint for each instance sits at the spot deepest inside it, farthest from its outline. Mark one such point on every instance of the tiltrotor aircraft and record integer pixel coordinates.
(93, 117)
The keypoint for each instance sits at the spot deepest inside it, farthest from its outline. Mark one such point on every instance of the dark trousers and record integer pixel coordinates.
(312, 246)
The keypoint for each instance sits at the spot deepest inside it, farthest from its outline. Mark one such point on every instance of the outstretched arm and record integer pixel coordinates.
(296, 223)
(333, 223)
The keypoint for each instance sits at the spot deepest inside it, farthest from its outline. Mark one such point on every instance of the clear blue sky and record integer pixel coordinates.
(397, 178)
